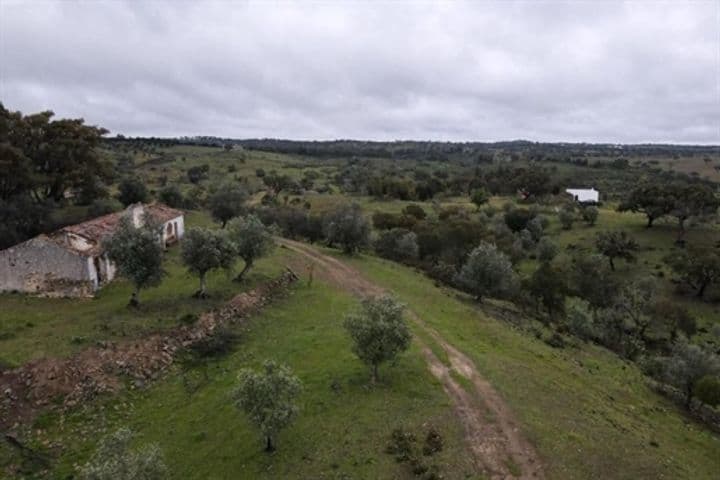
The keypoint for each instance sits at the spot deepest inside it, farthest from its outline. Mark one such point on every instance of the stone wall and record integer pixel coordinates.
(102, 368)
(41, 266)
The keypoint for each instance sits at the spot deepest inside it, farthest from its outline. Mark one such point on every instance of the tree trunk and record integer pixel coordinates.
(375, 374)
(135, 298)
(241, 275)
(201, 293)
(688, 396)
(650, 222)
(701, 290)
(612, 263)
(681, 235)
(269, 447)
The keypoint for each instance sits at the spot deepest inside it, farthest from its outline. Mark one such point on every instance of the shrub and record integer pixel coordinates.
(547, 250)
(487, 272)
(347, 227)
(579, 319)
(415, 211)
(172, 196)
(217, 344)
(707, 390)
(517, 219)
(590, 215)
(566, 215)
(114, 460)
(132, 190)
(687, 365)
(103, 206)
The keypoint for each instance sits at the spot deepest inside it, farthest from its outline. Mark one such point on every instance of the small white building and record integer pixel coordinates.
(584, 195)
(71, 262)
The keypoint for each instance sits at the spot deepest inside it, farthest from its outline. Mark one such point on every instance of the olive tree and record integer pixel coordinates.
(616, 245)
(590, 215)
(227, 202)
(114, 460)
(697, 267)
(636, 300)
(487, 272)
(547, 250)
(379, 331)
(132, 190)
(348, 227)
(204, 250)
(252, 240)
(268, 399)
(566, 215)
(479, 197)
(687, 365)
(137, 255)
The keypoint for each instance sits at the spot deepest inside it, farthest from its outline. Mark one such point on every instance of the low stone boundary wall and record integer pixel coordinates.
(76, 379)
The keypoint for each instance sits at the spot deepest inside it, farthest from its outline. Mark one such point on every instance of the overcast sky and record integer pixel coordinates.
(548, 71)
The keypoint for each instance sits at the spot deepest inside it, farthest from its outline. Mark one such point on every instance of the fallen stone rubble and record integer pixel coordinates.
(68, 382)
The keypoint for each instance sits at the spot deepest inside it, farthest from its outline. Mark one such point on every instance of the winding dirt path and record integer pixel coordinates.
(491, 431)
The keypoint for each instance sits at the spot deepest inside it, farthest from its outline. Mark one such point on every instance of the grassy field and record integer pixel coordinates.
(589, 413)
(341, 432)
(33, 327)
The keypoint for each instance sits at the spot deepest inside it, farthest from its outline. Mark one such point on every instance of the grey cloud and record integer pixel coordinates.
(554, 71)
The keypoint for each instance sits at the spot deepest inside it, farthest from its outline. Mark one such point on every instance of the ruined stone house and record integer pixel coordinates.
(71, 261)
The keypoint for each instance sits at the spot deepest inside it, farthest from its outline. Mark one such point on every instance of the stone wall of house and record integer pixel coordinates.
(41, 266)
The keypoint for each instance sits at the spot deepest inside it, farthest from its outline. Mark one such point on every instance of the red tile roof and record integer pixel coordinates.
(98, 228)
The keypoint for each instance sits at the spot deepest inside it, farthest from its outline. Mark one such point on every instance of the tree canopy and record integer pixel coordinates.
(137, 254)
(252, 240)
(227, 202)
(487, 272)
(379, 331)
(203, 250)
(268, 399)
(115, 460)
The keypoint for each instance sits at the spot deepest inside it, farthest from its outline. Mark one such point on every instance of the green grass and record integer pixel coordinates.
(590, 414)
(32, 327)
(343, 427)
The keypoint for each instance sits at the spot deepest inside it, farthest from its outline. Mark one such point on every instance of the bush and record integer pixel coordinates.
(397, 244)
(707, 390)
(517, 219)
(217, 344)
(347, 227)
(132, 190)
(487, 271)
(198, 173)
(103, 206)
(590, 215)
(555, 340)
(415, 211)
(114, 460)
(579, 319)
(172, 197)
(547, 250)
(566, 215)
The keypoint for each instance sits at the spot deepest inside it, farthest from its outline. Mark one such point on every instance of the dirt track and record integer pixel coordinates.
(499, 448)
